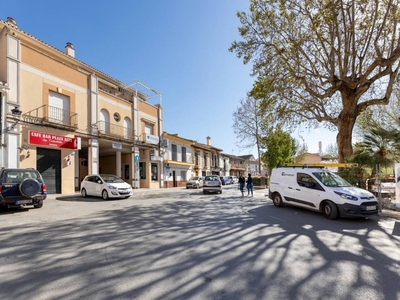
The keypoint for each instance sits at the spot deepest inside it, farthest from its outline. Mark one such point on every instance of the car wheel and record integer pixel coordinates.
(38, 204)
(83, 193)
(186, 187)
(197, 186)
(104, 194)
(329, 210)
(204, 192)
(277, 200)
(29, 187)
(220, 192)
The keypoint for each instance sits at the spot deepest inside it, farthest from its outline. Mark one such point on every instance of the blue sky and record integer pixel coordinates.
(177, 47)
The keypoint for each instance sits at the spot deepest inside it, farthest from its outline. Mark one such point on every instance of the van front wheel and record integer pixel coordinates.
(276, 198)
(329, 210)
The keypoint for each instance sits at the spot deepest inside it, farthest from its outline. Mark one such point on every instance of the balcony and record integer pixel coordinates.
(106, 129)
(52, 117)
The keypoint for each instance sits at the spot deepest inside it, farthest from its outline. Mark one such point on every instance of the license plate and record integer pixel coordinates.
(373, 207)
(23, 201)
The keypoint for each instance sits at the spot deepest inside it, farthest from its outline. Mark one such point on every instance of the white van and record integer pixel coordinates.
(321, 190)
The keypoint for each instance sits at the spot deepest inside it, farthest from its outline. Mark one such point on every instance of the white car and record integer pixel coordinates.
(105, 186)
(212, 184)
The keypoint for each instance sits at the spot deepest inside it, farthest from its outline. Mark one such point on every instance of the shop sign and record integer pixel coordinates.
(155, 158)
(152, 139)
(52, 140)
(117, 145)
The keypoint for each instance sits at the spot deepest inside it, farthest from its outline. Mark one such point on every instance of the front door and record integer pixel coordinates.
(174, 183)
(48, 162)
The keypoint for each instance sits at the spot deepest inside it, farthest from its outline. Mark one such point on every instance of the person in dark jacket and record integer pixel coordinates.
(242, 181)
(249, 185)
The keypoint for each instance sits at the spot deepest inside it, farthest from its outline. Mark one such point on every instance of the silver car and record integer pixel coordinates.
(194, 182)
(212, 184)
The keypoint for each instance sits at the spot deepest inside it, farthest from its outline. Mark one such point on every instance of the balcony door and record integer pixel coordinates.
(58, 111)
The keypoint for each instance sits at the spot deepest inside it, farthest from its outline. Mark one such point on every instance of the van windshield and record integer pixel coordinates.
(331, 179)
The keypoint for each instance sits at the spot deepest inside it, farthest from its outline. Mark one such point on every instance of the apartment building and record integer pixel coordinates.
(178, 159)
(68, 119)
(206, 159)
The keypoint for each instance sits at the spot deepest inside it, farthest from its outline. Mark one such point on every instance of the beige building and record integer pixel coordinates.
(206, 159)
(68, 119)
(178, 160)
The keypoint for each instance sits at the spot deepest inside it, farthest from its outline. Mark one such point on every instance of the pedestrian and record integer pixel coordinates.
(249, 185)
(242, 181)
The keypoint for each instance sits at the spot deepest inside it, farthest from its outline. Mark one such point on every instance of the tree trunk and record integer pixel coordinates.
(259, 157)
(344, 137)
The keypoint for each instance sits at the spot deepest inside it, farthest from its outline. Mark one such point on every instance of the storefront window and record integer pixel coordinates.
(154, 171)
(142, 170)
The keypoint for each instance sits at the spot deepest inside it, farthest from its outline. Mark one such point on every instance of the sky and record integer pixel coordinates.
(179, 48)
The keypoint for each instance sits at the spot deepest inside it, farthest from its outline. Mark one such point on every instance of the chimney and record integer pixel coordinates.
(69, 49)
(208, 141)
(12, 22)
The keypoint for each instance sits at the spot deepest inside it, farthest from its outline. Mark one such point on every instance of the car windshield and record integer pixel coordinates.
(193, 178)
(331, 179)
(111, 179)
(211, 178)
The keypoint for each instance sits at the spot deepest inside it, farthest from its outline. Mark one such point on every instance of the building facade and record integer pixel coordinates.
(68, 119)
(178, 160)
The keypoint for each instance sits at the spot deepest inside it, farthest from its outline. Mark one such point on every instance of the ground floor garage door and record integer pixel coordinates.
(49, 165)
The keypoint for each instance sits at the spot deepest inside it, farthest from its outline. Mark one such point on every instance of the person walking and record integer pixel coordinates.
(249, 185)
(242, 181)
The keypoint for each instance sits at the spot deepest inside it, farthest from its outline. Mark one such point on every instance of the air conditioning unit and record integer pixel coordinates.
(164, 143)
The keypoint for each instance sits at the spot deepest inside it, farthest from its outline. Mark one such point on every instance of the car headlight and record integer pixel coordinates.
(111, 187)
(346, 196)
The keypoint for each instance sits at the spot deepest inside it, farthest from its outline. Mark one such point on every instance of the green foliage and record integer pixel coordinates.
(279, 148)
(321, 61)
(379, 146)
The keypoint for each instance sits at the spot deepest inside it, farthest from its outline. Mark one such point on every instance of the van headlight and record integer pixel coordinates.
(346, 196)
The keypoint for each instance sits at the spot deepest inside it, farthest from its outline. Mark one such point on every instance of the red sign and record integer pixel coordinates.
(54, 140)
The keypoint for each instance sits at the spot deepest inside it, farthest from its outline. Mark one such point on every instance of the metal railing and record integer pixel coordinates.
(51, 115)
(113, 130)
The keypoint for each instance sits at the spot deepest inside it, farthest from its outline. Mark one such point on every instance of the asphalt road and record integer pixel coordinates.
(181, 244)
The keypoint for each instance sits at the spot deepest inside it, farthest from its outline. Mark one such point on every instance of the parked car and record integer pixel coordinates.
(22, 187)
(212, 183)
(387, 186)
(320, 190)
(228, 180)
(105, 186)
(235, 179)
(194, 182)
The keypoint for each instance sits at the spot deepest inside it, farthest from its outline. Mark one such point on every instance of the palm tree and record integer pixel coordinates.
(380, 147)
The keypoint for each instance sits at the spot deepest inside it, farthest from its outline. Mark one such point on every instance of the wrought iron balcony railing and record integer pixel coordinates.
(112, 130)
(51, 116)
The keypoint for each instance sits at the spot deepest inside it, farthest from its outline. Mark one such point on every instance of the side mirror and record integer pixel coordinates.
(99, 181)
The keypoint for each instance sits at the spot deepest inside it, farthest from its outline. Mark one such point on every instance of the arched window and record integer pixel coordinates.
(104, 121)
(127, 128)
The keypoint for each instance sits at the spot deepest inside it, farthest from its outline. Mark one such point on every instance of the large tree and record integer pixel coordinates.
(250, 125)
(322, 61)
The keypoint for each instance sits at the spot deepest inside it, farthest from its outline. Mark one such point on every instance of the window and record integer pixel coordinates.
(142, 170)
(154, 171)
(183, 175)
(117, 117)
(104, 121)
(197, 158)
(184, 154)
(205, 160)
(58, 110)
(127, 128)
(174, 152)
(148, 129)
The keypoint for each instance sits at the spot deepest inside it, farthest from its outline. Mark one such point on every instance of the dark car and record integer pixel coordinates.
(21, 187)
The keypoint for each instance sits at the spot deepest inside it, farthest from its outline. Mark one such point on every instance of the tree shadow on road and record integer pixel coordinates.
(227, 249)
